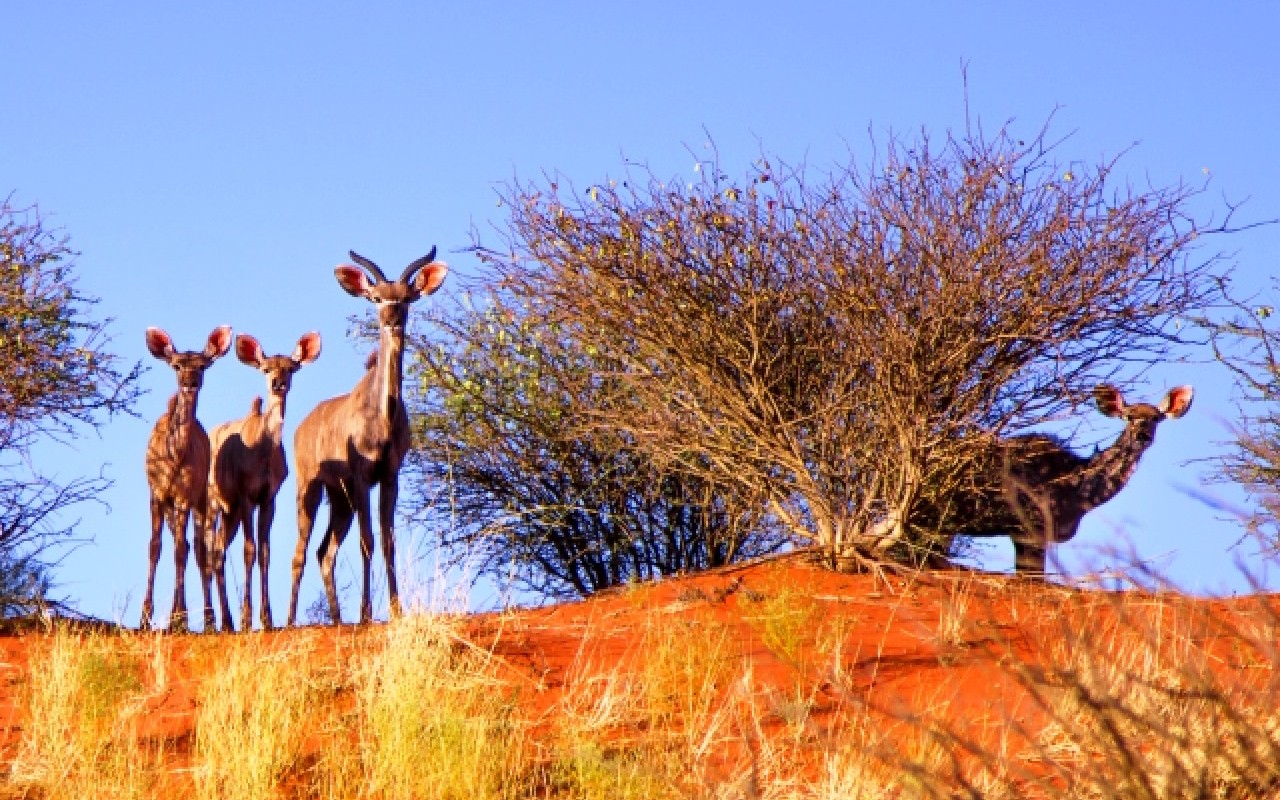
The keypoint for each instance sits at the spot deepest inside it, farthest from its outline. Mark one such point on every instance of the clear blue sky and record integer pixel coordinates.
(212, 162)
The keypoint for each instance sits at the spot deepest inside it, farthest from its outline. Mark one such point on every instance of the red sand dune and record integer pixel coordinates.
(966, 655)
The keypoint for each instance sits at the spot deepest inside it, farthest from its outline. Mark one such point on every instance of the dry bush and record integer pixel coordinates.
(954, 621)
(532, 495)
(1122, 695)
(1134, 695)
(688, 666)
(851, 344)
(57, 379)
(592, 757)
(682, 716)
(1158, 704)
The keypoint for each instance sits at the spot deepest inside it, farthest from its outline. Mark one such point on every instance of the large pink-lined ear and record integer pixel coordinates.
(1177, 402)
(353, 280)
(219, 342)
(249, 351)
(1109, 399)
(429, 278)
(308, 348)
(159, 343)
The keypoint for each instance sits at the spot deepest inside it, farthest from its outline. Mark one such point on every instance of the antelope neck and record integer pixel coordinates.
(274, 417)
(180, 423)
(1110, 469)
(388, 371)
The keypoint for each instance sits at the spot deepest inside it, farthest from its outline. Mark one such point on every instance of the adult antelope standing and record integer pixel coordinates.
(248, 468)
(351, 443)
(1043, 490)
(177, 463)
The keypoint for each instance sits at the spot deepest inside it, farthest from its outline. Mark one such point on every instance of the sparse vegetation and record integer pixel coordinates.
(953, 616)
(1140, 705)
(1247, 341)
(1077, 695)
(788, 622)
(436, 719)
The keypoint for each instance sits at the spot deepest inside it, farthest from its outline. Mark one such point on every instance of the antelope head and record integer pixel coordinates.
(1143, 417)
(392, 298)
(189, 365)
(278, 369)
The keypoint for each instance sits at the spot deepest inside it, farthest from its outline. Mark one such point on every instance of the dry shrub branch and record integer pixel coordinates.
(58, 378)
(1245, 339)
(535, 495)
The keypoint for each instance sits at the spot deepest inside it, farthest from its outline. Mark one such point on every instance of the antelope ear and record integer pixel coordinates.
(308, 348)
(429, 278)
(353, 280)
(159, 343)
(219, 342)
(1109, 400)
(1177, 402)
(249, 351)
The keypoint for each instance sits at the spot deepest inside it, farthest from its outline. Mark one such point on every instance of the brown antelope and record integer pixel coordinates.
(351, 443)
(1042, 490)
(248, 468)
(177, 464)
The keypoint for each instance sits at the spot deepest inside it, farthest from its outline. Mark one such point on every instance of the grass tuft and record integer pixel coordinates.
(85, 703)
(251, 720)
(435, 720)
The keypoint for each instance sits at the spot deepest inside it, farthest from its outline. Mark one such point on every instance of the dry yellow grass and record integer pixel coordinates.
(85, 699)
(251, 719)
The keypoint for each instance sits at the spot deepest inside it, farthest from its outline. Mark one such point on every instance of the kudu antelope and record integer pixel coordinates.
(248, 468)
(1041, 490)
(177, 464)
(351, 443)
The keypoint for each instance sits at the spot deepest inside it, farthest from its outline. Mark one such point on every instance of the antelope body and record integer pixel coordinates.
(1043, 490)
(177, 466)
(247, 471)
(349, 444)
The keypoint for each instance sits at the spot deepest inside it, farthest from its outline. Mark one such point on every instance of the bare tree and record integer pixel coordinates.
(858, 342)
(512, 480)
(57, 380)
